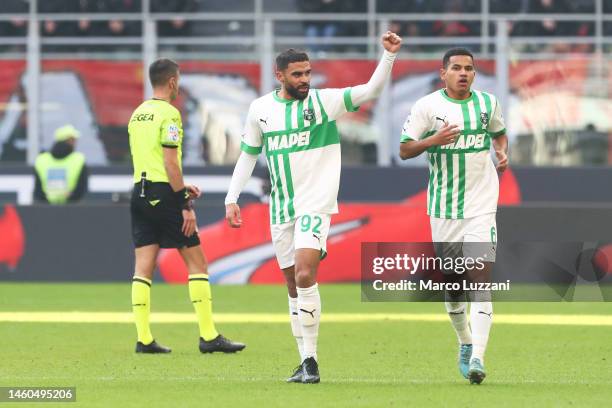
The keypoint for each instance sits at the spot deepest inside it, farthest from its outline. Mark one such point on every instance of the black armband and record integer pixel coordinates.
(182, 197)
(188, 205)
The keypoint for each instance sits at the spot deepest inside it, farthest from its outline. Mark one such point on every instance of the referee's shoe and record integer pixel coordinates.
(151, 348)
(221, 344)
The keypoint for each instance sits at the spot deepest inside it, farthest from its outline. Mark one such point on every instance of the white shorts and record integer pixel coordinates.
(481, 230)
(306, 231)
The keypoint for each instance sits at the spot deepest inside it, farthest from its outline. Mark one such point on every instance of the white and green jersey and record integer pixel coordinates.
(302, 147)
(463, 182)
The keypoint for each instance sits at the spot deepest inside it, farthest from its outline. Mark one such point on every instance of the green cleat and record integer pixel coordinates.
(465, 353)
(476, 373)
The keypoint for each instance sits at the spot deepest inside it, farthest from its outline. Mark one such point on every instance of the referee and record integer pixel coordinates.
(162, 211)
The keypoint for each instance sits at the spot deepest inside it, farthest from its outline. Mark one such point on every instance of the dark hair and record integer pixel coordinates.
(455, 51)
(288, 56)
(161, 71)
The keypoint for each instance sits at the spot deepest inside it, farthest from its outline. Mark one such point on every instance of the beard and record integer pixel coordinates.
(295, 93)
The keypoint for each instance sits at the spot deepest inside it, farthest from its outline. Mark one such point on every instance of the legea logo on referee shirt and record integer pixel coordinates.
(279, 142)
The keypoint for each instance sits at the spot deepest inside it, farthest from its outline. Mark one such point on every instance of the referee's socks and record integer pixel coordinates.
(199, 293)
(141, 306)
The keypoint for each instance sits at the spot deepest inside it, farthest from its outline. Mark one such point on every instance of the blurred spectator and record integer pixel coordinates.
(86, 27)
(61, 174)
(174, 27)
(505, 6)
(410, 29)
(583, 6)
(229, 27)
(457, 28)
(55, 28)
(320, 29)
(546, 27)
(549, 6)
(414, 6)
(117, 27)
(16, 27)
(329, 29)
(584, 29)
(356, 28)
(14, 145)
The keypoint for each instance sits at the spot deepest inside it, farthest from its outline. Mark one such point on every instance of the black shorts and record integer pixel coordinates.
(158, 218)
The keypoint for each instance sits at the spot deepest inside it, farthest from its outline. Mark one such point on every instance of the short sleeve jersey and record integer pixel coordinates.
(155, 124)
(302, 148)
(463, 182)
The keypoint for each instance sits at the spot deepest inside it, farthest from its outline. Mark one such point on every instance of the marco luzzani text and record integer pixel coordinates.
(412, 264)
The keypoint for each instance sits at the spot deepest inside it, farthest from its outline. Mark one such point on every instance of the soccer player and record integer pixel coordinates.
(162, 211)
(456, 126)
(296, 127)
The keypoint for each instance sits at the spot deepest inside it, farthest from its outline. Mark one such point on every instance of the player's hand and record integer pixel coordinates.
(445, 135)
(232, 215)
(189, 223)
(391, 41)
(194, 191)
(502, 160)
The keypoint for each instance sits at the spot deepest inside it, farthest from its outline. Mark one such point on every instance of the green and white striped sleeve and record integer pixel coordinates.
(337, 102)
(497, 126)
(416, 125)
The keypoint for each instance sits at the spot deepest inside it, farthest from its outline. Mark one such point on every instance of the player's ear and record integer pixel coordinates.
(279, 75)
(443, 74)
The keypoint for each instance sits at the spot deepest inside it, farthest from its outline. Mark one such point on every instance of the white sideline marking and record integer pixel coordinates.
(126, 317)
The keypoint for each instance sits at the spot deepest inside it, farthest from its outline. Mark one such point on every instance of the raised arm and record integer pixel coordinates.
(373, 88)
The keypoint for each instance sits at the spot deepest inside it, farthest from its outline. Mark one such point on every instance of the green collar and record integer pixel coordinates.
(460, 101)
(279, 99)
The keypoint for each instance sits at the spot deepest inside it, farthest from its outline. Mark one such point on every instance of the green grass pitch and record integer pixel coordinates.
(363, 364)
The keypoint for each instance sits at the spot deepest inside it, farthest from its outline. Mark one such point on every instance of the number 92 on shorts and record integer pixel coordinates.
(305, 231)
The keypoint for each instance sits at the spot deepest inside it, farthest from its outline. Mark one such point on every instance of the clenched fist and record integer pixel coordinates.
(391, 41)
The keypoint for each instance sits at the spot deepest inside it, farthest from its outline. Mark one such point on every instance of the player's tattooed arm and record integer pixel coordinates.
(500, 144)
(445, 135)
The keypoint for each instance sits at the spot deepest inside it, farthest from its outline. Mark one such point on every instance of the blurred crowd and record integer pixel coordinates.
(91, 28)
(316, 31)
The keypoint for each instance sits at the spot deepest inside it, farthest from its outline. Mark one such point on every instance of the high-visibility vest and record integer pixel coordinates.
(59, 177)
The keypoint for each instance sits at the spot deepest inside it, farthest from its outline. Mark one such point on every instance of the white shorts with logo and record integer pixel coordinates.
(305, 231)
(480, 230)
